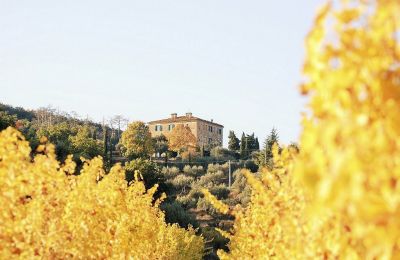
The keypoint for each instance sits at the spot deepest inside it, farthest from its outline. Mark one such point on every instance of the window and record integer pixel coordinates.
(158, 128)
(220, 131)
(210, 129)
(170, 127)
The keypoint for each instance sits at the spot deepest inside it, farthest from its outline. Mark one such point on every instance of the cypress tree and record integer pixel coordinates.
(94, 134)
(234, 143)
(257, 145)
(105, 141)
(246, 148)
(242, 147)
(202, 150)
(250, 143)
(111, 150)
(271, 139)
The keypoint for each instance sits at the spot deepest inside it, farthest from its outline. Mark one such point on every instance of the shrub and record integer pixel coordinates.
(251, 165)
(181, 181)
(170, 172)
(240, 191)
(150, 173)
(174, 213)
(221, 153)
(199, 170)
(205, 205)
(221, 191)
(216, 240)
(212, 178)
(188, 201)
(188, 170)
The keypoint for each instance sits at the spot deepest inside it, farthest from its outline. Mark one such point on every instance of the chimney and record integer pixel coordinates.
(174, 115)
(212, 120)
(189, 115)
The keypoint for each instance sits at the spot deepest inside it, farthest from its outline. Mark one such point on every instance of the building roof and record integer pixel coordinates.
(180, 119)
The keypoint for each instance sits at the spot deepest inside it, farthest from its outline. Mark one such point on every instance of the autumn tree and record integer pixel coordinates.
(51, 211)
(338, 198)
(136, 141)
(182, 139)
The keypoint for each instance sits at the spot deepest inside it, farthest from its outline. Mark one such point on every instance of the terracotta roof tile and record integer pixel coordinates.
(179, 119)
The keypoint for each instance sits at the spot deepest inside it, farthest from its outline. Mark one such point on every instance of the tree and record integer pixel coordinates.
(264, 157)
(257, 145)
(243, 147)
(6, 120)
(271, 139)
(233, 143)
(119, 121)
(136, 141)
(251, 143)
(83, 145)
(160, 144)
(182, 139)
(149, 172)
(201, 151)
(58, 134)
(105, 141)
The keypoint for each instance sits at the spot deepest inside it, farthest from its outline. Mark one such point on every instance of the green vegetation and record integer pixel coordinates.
(136, 141)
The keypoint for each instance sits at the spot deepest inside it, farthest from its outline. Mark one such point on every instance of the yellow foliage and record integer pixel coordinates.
(47, 212)
(350, 147)
(339, 198)
(181, 138)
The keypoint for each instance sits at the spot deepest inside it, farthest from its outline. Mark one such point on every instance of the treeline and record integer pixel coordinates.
(69, 133)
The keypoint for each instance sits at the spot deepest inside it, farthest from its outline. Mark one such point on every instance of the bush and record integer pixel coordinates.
(212, 178)
(221, 153)
(188, 170)
(216, 240)
(218, 167)
(150, 172)
(181, 181)
(170, 172)
(221, 191)
(203, 204)
(251, 165)
(188, 201)
(175, 213)
(199, 170)
(189, 155)
(240, 192)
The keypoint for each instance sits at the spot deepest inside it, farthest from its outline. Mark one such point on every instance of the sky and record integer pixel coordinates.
(237, 62)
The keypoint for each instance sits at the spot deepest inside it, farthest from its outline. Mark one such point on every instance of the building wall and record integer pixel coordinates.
(205, 133)
(208, 133)
(165, 130)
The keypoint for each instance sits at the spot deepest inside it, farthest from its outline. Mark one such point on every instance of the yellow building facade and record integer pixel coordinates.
(207, 133)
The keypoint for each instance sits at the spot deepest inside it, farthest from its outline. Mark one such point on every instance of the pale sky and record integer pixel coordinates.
(237, 62)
